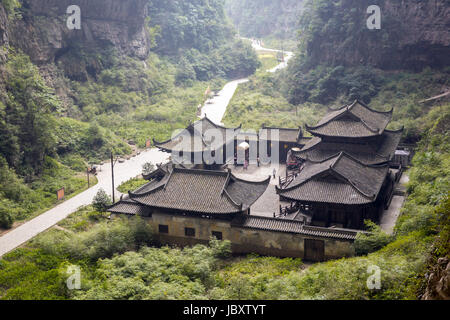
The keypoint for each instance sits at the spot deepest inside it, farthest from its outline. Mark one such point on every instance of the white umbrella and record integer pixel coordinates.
(244, 146)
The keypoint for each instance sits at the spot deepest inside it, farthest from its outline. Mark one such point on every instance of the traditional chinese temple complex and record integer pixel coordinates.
(344, 177)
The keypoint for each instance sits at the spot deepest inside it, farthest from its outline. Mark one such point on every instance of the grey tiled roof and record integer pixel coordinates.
(354, 121)
(290, 226)
(370, 153)
(285, 135)
(202, 191)
(341, 179)
(128, 207)
(193, 138)
(160, 171)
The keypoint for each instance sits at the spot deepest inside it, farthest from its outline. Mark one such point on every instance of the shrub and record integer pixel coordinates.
(221, 249)
(373, 241)
(6, 219)
(101, 201)
(131, 185)
(148, 168)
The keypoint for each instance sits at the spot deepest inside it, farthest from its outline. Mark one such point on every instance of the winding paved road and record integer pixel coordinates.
(122, 172)
(215, 108)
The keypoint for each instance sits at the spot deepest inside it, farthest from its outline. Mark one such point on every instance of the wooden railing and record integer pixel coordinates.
(286, 181)
(285, 211)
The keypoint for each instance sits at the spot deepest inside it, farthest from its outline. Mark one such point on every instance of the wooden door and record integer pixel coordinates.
(314, 250)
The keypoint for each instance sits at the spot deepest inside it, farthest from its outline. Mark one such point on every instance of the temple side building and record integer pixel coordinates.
(356, 130)
(344, 173)
(340, 192)
(285, 139)
(200, 139)
(189, 206)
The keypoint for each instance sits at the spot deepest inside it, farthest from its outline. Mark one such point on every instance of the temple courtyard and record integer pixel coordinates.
(269, 203)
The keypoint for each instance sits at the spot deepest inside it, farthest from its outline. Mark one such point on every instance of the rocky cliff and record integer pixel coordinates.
(44, 36)
(438, 281)
(414, 34)
(42, 33)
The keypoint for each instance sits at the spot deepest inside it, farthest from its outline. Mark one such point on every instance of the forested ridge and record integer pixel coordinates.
(266, 19)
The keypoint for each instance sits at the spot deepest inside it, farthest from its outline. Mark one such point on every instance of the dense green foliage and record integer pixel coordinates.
(156, 274)
(372, 241)
(101, 201)
(103, 240)
(20, 200)
(132, 185)
(40, 272)
(26, 108)
(266, 18)
(324, 85)
(198, 33)
(198, 24)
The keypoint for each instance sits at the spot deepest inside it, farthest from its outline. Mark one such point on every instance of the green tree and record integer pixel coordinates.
(6, 220)
(101, 201)
(26, 117)
(148, 168)
(185, 73)
(372, 241)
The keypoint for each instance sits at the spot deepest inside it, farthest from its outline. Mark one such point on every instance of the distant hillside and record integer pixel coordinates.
(413, 35)
(265, 18)
(338, 57)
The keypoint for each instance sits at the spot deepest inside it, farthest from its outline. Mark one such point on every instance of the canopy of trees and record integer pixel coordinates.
(198, 24)
(265, 18)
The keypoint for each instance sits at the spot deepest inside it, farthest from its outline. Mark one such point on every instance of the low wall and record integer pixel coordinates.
(243, 240)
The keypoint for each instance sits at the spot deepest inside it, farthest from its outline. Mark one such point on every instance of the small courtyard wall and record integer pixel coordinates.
(243, 240)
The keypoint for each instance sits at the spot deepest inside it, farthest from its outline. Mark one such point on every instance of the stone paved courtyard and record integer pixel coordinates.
(269, 201)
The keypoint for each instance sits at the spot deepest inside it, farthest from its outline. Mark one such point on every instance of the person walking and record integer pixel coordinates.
(274, 173)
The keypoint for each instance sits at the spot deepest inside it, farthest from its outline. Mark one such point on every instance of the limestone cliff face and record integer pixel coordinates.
(414, 34)
(438, 281)
(42, 32)
(4, 32)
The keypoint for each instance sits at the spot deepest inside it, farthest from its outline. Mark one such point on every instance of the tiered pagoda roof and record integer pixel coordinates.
(378, 152)
(285, 135)
(193, 139)
(353, 121)
(196, 191)
(341, 179)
